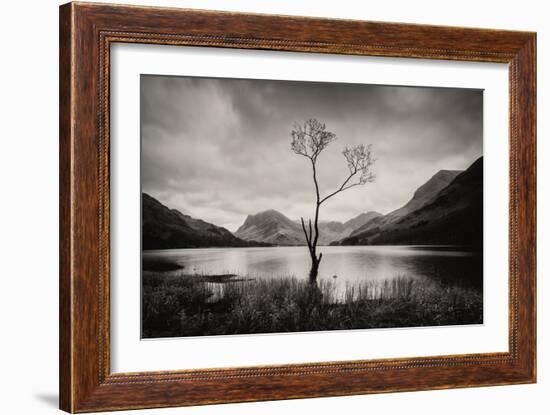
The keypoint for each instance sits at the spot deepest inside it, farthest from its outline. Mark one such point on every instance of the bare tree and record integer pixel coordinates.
(309, 140)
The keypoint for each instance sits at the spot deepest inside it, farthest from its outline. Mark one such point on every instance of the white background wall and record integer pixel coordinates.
(29, 192)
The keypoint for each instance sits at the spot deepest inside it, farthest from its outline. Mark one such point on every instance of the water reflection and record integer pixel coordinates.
(340, 264)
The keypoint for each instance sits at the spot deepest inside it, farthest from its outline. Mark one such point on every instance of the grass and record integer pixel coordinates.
(188, 305)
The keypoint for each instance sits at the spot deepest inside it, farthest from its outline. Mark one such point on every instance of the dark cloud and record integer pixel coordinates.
(218, 149)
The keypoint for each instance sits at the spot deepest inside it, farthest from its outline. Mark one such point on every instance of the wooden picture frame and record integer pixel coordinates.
(86, 33)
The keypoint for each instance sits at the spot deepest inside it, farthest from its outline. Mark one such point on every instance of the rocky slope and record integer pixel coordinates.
(275, 228)
(272, 227)
(452, 216)
(421, 196)
(165, 228)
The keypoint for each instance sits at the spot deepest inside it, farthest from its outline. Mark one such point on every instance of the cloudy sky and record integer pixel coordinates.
(219, 149)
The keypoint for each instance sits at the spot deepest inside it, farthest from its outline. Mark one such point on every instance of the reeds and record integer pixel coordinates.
(186, 305)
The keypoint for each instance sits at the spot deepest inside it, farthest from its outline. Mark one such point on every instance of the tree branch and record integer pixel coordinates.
(315, 179)
(359, 159)
(305, 233)
(342, 187)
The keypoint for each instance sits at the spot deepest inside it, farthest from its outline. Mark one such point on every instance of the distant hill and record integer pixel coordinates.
(275, 228)
(451, 216)
(422, 195)
(272, 227)
(334, 231)
(447, 209)
(165, 228)
(361, 220)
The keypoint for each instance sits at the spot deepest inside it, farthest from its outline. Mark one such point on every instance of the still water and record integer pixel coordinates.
(340, 264)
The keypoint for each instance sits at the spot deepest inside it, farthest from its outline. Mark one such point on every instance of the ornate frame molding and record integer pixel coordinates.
(86, 34)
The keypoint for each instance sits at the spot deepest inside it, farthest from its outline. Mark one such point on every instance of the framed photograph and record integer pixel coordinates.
(258, 207)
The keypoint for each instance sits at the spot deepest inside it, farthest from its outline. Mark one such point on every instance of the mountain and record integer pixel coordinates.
(360, 220)
(422, 196)
(273, 227)
(165, 228)
(453, 216)
(334, 231)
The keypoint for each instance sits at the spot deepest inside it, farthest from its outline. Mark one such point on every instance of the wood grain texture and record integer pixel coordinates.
(86, 33)
(65, 246)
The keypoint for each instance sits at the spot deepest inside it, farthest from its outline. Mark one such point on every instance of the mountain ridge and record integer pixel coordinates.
(445, 209)
(272, 226)
(422, 195)
(452, 216)
(165, 228)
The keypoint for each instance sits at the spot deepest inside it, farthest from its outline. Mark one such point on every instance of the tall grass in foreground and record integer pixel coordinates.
(192, 306)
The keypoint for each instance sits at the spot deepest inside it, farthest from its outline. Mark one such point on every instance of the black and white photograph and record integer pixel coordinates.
(274, 206)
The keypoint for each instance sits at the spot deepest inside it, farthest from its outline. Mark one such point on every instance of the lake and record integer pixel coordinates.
(340, 264)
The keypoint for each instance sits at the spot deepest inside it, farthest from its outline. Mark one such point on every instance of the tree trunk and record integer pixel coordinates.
(314, 268)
